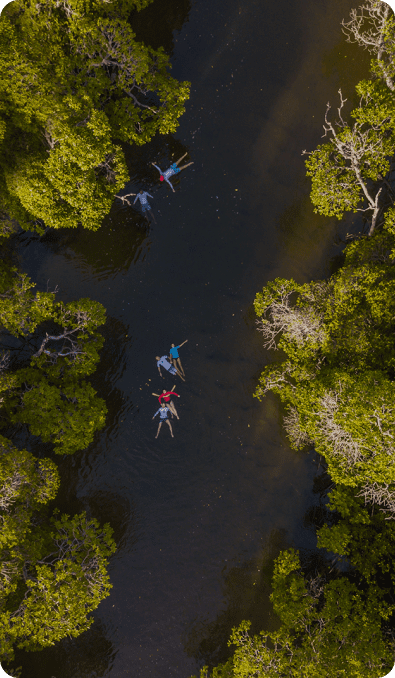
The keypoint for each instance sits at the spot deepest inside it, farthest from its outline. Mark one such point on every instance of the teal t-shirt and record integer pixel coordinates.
(174, 352)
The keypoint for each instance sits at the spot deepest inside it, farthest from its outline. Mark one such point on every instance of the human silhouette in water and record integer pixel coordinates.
(173, 169)
(166, 396)
(163, 416)
(163, 361)
(175, 358)
(145, 206)
(142, 196)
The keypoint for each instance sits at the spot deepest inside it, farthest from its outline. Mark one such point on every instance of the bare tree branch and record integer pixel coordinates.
(377, 38)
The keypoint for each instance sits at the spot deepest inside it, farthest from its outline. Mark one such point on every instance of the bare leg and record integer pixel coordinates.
(179, 366)
(171, 430)
(174, 362)
(173, 408)
(152, 215)
(160, 424)
(182, 158)
(179, 373)
(185, 166)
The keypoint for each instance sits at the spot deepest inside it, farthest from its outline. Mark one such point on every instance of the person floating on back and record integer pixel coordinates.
(175, 358)
(173, 169)
(163, 416)
(166, 395)
(145, 206)
(168, 366)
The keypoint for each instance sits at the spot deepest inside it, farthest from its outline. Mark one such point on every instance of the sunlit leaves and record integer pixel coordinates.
(73, 81)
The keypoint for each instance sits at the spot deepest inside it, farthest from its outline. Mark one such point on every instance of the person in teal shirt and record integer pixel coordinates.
(175, 358)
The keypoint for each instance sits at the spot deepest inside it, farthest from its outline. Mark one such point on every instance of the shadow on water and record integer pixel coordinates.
(111, 368)
(117, 510)
(103, 254)
(124, 237)
(348, 64)
(90, 655)
(155, 25)
(300, 228)
(246, 589)
(161, 150)
(228, 480)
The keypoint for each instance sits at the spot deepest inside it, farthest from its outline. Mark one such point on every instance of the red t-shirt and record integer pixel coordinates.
(166, 396)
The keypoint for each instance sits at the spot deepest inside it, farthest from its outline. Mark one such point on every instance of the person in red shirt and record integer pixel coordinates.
(166, 395)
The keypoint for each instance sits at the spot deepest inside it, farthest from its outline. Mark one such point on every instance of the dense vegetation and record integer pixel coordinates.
(335, 378)
(74, 85)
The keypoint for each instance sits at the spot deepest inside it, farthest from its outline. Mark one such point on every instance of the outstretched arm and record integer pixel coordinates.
(124, 198)
(184, 342)
(159, 370)
(170, 184)
(157, 394)
(158, 168)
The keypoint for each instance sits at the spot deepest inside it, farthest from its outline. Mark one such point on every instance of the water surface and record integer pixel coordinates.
(197, 517)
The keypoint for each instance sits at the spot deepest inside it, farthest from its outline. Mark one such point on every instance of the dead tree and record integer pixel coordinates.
(358, 151)
(297, 323)
(372, 27)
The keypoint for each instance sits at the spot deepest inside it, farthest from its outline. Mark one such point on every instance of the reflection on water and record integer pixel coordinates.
(90, 655)
(246, 591)
(194, 515)
(156, 24)
(111, 253)
(348, 66)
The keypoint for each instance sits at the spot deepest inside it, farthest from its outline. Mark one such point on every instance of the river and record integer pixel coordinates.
(198, 519)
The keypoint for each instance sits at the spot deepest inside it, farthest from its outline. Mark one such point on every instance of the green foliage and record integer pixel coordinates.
(63, 586)
(74, 80)
(21, 311)
(335, 376)
(66, 416)
(350, 419)
(337, 379)
(357, 154)
(50, 395)
(53, 570)
(328, 628)
(365, 538)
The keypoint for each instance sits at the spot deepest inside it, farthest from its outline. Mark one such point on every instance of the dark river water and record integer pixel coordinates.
(198, 519)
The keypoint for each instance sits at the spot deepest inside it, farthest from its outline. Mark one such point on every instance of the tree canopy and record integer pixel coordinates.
(75, 87)
(53, 570)
(74, 83)
(54, 567)
(52, 348)
(334, 372)
(327, 628)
